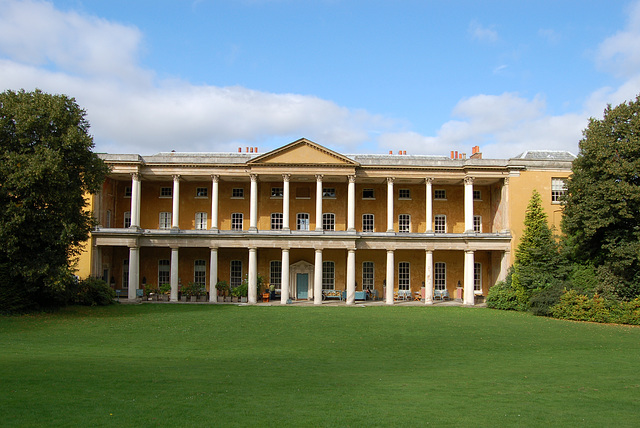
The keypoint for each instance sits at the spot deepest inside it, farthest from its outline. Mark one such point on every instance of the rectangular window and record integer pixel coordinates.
(275, 273)
(329, 192)
(440, 194)
(302, 221)
(236, 221)
(368, 194)
(558, 189)
(166, 192)
(200, 272)
(276, 221)
(235, 279)
(477, 278)
(237, 193)
(328, 221)
(367, 276)
(201, 221)
(164, 272)
(404, 194)
(440, 223)
(202, 192)
(277, 192)
(127, 191)
(477, 224)
(404, 223)
(127, 219)
(125, 274)
(440, 276)
(367, 223)
(108, 219)
(477, 195)
(404, 276)
(328, 275)
(165, 220)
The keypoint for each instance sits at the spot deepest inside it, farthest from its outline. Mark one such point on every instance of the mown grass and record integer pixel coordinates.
(223, 365)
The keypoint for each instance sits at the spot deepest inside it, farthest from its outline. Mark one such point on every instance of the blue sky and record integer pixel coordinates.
(371, 76)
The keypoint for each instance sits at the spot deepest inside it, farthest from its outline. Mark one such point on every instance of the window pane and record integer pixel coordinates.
(477, 277)
(328, 221)
(403, 276)
(404, 223)
(277, 192)
(440, 276)
(202, 192)
(329, 192)
(164, 272)
(328, 275)
(237, 193)
(165, 220)
(404, 193)
(201, 221)
(440, 222)
(368, 194)
(367, 276)
(200, 272)
(439, 194)
(367, 223)
(276, 221)
(275, 274)
(302, 221)
(236, 273)
(236, 221)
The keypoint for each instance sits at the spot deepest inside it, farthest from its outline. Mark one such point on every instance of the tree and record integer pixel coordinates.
(602, 204)
(47, 168)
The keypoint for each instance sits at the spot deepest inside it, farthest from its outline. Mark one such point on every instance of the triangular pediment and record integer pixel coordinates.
(302, 152)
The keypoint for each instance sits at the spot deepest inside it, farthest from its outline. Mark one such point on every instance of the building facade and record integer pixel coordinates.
(309, 220)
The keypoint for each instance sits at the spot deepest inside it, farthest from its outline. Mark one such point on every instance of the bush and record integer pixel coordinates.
(543, 300)
(503, 296)
(580, 307)
(93, 292)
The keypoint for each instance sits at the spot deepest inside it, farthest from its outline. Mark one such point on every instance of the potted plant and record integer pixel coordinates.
(189, 292)
(164, 292)
(150, 291)
(201, 293)
(223, 289)
(242, 291)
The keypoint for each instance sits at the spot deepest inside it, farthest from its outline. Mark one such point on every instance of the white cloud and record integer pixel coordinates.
(96, 61)
(481, 33)
(619, 54)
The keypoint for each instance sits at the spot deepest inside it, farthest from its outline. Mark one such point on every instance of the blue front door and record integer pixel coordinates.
(302, 285)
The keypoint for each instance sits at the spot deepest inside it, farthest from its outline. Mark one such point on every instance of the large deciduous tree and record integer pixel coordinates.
(47, 168)
(602, 205)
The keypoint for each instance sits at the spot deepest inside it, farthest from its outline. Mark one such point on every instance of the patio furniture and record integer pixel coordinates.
(441, 294)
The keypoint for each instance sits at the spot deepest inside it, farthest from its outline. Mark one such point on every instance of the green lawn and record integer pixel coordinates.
(205, 365)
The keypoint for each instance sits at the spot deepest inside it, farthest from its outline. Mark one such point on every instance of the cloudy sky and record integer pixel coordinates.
(358, 76)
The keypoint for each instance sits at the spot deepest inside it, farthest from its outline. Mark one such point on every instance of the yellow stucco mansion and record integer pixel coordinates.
(315, 223)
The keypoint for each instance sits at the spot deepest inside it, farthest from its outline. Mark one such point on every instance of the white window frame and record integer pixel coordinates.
(477, 195)
(277, 221)
(440, 195)
(477, 278)
(126, 220)
(275, 273)
(558, 189)
(368, 275)
(235, 273)
(440, 276)
(277, 192)
(127, 192)
(302, 219)
(200, 272)
(202, 192)
(406, 196)
(237, 193)
(368, 198)
(404, 276)
(164, 272)
(201, 221)
(440, 223)
(368, 222)
(328, 221)
(404, 223)
(328, 275)
(477, 223)
(328, 193)
(237, 221)
(164, 221)
(166, 192)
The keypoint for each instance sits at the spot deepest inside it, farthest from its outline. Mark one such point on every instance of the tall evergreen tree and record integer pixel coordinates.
(46, 169)
(602, 206)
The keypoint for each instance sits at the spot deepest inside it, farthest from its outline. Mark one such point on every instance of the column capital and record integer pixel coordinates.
(176, 177)
(254, 177)
(390, 180)
(506, 181)
(135, 176)
(469, 179)
(286, 177)
(352, 179)
(319, 177)
(428, 180)
(215, 178)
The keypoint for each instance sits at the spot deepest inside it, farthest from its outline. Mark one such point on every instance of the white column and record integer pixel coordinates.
(175, 215)
(504, 206)
(504, 266)
(318, 202)
(134, 271)
(351, 277)
(317, 279)
(253, 276)
(351, 204)
(253, 204)
(429, 198)
(135, 200)
(96, 260)
(428, 278)
(390, 181)
(213, 275)
(174, 275)
(285, 201)
(390, 275)
(468, 278)
(214, 201)
(468, 204)
(284, 285)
